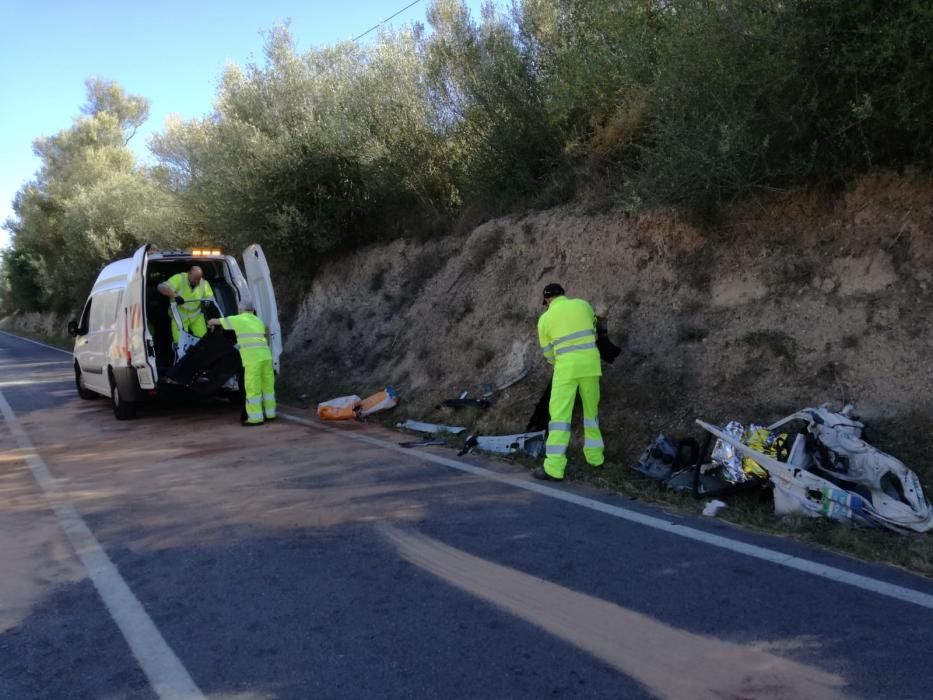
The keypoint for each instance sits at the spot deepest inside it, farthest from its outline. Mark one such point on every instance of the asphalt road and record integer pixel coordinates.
(180, 555)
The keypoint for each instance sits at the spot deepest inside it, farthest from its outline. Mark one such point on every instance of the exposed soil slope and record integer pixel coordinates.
(794, 300)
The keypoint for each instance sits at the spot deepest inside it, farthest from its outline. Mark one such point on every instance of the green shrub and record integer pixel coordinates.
(685, 102)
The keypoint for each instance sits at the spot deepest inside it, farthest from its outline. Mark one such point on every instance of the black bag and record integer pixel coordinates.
(208, 365)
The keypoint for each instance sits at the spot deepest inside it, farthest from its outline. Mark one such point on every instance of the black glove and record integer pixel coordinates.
(179, 300)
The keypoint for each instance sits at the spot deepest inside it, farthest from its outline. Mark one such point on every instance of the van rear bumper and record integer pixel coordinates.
(128, 383)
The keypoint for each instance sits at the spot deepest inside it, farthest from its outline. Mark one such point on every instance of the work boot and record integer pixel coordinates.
(539, 473)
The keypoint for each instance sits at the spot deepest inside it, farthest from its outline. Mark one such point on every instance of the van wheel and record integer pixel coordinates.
(122, 409)
(83, 391)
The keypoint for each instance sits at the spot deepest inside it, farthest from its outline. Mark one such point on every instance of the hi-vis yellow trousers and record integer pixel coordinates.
(563, 397)
(259, 380)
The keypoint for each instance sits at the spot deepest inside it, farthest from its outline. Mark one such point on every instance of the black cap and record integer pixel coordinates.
(553, 290)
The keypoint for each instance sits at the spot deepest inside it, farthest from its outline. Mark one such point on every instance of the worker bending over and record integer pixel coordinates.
(252, 338)
(567, 333)
(188, 290)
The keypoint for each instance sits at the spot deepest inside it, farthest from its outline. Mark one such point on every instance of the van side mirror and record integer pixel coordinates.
(73, 328)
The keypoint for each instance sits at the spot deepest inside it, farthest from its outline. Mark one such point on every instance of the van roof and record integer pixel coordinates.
(113, 276)
(183, 254)
(116, 274)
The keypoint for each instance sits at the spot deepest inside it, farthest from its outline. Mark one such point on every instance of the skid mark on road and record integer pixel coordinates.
(669, 662)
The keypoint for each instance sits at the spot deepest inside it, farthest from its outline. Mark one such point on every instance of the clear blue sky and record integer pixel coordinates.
(171, 52)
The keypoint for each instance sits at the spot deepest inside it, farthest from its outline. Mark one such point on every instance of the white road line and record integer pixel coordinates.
(36, 342)
(773, 556)
(166, 675)
(30, 382)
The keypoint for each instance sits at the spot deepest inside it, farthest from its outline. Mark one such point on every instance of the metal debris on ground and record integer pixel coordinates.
(430, 428)
(532, 444)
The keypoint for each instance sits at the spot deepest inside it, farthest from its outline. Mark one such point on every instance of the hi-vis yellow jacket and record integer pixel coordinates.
(250, 337)
(192, 295)
(567, 333)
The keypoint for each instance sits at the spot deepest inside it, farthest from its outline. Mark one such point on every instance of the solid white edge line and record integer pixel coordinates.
(36, 342)
(867, 583)
(167, 676)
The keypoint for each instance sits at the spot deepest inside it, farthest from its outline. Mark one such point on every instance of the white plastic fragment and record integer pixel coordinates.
(713, 507)
(430, 428)
(531, 444)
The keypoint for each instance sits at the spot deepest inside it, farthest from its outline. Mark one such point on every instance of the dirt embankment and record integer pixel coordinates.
(794, 300)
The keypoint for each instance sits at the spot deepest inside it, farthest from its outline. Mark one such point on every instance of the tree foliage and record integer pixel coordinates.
(661, 101)
(309, 153)
(88, 204)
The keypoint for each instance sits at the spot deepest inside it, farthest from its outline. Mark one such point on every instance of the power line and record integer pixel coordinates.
(386, 20)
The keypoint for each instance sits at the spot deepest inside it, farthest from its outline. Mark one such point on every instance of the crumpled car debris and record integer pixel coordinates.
(841, 454)
(347, 407)
(737, 469)
(665, 455)
(657, 461)
(834, 473)
(532, 444)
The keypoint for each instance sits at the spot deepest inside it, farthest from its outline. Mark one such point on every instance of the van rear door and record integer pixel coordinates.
(133, 319)
(260, 286)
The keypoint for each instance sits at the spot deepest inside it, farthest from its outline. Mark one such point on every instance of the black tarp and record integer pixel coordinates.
(207, 365)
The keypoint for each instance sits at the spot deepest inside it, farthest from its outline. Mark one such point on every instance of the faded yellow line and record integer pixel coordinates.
(669, 662)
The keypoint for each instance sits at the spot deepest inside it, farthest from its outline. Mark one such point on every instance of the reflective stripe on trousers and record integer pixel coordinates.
(254, 411)
(563, 397)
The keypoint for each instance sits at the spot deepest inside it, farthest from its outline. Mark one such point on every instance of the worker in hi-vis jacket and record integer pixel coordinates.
(567, 333)
(188, 290)
(252, 339)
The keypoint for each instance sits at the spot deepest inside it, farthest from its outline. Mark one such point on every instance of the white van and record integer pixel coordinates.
(123, 341)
